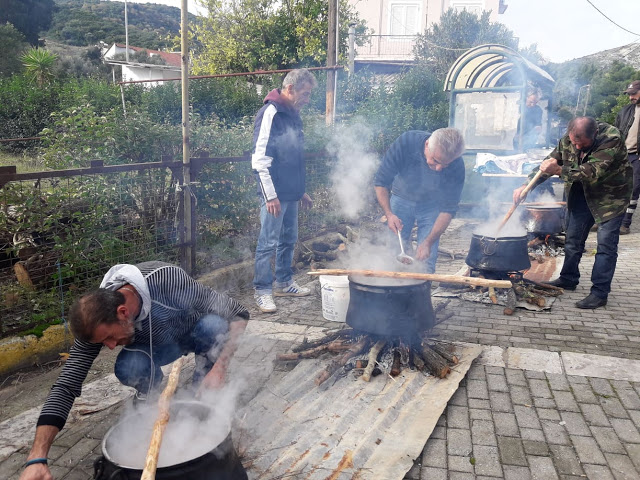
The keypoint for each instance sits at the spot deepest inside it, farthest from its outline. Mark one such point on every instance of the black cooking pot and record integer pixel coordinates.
(389, 307)
(545, 219)
(204, 461)
(501, 254)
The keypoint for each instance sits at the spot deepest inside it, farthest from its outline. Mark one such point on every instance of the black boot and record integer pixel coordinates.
(591, 302)
(559, 282)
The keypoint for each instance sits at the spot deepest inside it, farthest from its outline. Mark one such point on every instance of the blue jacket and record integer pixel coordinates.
(405, 172)
(278, 150)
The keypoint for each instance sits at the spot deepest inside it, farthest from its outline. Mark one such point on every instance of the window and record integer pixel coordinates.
(471, 6)
(404, 19)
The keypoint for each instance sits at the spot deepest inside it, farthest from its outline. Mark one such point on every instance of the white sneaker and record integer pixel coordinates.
(293, 290)
(265, 303)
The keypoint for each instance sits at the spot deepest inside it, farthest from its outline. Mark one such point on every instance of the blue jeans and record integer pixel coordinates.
(278, 235)
(134, 368)
(579, 222)
(424, 214)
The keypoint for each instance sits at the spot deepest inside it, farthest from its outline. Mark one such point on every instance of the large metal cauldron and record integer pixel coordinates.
(207, 457)
(498, 254)
(545, 219)
(389, 307)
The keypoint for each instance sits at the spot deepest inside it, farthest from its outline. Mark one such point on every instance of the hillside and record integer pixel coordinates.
(86, 22)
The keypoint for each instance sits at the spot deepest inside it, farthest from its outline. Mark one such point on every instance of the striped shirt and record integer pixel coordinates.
(177, 303)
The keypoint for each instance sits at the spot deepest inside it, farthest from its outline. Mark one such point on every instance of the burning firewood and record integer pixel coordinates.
(396, 366)
(373, 356)
(443, 352)
(417, 360)
(492, 295)
(436, 365)
(305, 345)
(335, 346)
(335, 364)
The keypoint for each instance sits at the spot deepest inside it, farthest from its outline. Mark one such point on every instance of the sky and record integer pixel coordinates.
(564, 29)
(567, 29)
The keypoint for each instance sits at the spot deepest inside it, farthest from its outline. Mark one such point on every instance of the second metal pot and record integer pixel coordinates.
(501, 254)
(545, 219)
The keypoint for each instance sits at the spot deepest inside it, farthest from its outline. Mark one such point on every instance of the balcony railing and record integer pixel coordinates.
(385, 47)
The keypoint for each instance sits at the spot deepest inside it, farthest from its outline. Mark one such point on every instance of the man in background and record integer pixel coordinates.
(420, 181)
(530, 123)
(591, 158)
(279, 165)
(628, 122)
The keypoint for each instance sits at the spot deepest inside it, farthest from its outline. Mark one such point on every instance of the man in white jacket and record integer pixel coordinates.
(158, 313)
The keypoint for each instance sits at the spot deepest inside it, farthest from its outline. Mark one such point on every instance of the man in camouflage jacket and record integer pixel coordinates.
(592, 160)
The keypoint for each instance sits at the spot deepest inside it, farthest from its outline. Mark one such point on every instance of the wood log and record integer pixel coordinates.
(546, 286)
(373, 356)
(151, 462)
(23, 276)
(335, 346)
(335, 364)
(417, 359)
(436, 365)
(482, 282)
(446, 354)
(396, 364)
(492, 295)
(316, 343)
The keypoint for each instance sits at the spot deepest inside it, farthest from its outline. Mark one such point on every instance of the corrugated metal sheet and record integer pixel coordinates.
(349, 429)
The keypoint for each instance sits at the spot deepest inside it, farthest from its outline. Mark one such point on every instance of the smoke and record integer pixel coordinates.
(352, 176)
(379, 252)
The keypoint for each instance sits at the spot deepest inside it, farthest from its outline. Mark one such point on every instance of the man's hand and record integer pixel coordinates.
(38, 471)
(550, 167)
(516, 194)
(394, 223)
(214, 379)
(273, 207)
(423, 251)
(305, 202)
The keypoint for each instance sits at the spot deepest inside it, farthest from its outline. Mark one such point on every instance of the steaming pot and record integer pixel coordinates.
(499, 254)
(545, 219)
(390, 307)
(220, 462)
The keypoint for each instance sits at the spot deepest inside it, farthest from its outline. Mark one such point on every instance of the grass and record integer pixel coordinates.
(24, 163)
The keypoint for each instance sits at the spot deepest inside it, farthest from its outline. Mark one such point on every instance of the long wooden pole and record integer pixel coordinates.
(479, 282)
(523, 195)
(151, 462)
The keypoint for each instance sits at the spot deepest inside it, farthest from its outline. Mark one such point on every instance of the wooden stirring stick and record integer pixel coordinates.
(523, 195)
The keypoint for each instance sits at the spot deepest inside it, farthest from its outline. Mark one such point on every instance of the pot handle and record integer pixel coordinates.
(488, 247)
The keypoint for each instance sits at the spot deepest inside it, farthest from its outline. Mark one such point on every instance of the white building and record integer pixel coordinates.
(135, 71)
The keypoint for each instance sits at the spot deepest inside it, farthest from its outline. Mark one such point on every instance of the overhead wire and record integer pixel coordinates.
(612, 21)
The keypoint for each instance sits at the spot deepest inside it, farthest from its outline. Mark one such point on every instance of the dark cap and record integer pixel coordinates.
(633, 88)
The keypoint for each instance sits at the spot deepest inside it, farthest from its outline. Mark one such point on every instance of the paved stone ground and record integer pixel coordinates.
(502, 422)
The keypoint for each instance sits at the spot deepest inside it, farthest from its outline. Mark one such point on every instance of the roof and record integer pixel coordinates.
(172, 59)
(493, 65)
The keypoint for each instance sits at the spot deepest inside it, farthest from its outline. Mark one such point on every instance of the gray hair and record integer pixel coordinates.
(449, 141)
(298, 78)
(583, 126)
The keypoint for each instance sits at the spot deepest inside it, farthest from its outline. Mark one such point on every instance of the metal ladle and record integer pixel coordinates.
(403, 257)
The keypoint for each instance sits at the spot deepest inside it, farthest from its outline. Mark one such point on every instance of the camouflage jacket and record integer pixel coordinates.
(604, 172)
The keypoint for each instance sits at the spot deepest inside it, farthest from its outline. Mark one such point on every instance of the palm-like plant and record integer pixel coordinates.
(38, 65)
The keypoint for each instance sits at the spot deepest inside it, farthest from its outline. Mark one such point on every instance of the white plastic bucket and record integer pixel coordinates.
(335, 297)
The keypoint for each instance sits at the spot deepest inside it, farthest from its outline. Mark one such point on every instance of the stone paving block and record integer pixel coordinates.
(442, 421)
(621, 466)
(555, 433)
(548, 414)
(583, 393)
(435, 453)
(459, 398)
(601, 386)
(532, 434)
(634, 454)
(558, 382)
(57, 471)
(526, 417)
(77, 453)
(477, 389)
(539, 402)
(483, 433)
(629, 398)
(520, 395)
(565, 401)
(459, 464)
(479, 404)
(497, 383)
(439, 432)
(516, 473)
(635, 417)
(515, 377)
(429, 473)
(414, 472)
(626, 430)
(607, 439)
(597, 472)
(500, 402)
(594, 415)
(12, 464)
(540, 388)
(588, 450)
(613, 407)
(491, 370)
(565, 460)
(505, 424)
(542, 468)
(530, 374)
(77, 474)
(461, 476)
(577, 380)
(487, 461)
(533, 447)
(458, 442)
(457, 417)
(480, 414)
(511, 451)
(575, 424)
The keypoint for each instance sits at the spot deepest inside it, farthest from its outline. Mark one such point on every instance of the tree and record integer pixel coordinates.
(247, 35)
(30, 17)
(38, 65)
(442, 43)
(13, 43)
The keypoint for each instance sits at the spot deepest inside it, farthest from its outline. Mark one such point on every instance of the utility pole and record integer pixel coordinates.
(331, 61)
(352, 49)
(126, 33)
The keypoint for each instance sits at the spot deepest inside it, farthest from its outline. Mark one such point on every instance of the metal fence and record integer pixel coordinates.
(386, 47)
(60, 231)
